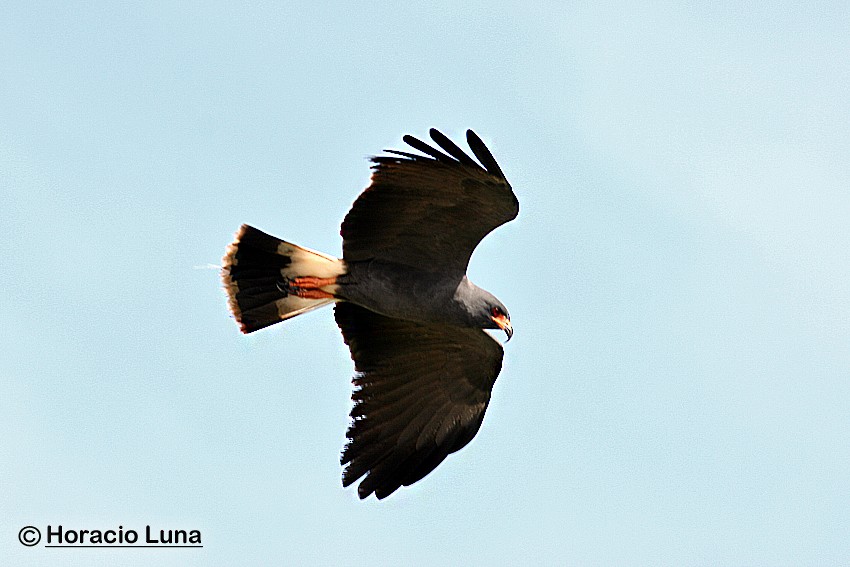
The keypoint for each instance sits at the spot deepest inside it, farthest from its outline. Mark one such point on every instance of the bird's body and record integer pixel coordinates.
(404, 292)
(410, 316)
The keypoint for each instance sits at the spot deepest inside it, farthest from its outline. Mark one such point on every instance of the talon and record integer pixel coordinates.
(285, 287)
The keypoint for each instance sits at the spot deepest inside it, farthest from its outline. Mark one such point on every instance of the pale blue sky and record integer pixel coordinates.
(678, 388)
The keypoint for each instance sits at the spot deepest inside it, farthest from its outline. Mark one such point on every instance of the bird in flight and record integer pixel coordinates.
(424, 367)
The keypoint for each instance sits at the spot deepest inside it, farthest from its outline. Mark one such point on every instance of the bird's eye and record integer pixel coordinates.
(496, 312)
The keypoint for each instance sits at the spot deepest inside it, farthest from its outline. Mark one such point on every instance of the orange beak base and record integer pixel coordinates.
(505, 324)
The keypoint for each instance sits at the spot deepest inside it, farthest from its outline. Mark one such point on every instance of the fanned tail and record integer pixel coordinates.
(259, 271)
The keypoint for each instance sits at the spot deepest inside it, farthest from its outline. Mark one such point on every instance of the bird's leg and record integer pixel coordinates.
(313, 294)
(309, 282)
(309, 287)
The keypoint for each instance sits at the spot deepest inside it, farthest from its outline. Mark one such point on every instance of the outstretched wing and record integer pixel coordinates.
(421, 392)
(429, 211)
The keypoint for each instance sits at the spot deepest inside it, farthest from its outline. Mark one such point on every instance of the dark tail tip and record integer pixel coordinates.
(252, 276)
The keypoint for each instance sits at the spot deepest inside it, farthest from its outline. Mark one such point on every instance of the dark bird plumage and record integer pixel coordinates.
(428, 211)
(411, 318)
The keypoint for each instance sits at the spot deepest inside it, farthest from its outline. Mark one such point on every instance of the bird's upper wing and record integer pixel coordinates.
(429, 211)
(421, 392)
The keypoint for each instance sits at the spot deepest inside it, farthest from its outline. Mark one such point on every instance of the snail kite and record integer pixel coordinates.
(412, 320)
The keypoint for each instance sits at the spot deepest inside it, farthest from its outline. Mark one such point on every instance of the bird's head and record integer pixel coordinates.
(481, 309)
(499, 319)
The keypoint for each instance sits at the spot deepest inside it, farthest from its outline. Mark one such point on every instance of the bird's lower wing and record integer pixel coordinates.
(420, 394)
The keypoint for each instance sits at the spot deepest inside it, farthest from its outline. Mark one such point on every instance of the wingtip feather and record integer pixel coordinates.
(479, 148)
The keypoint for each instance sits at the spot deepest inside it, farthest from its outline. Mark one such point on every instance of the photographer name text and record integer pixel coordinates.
(61, 536)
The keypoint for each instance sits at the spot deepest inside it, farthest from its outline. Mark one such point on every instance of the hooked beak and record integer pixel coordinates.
(505, 324)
